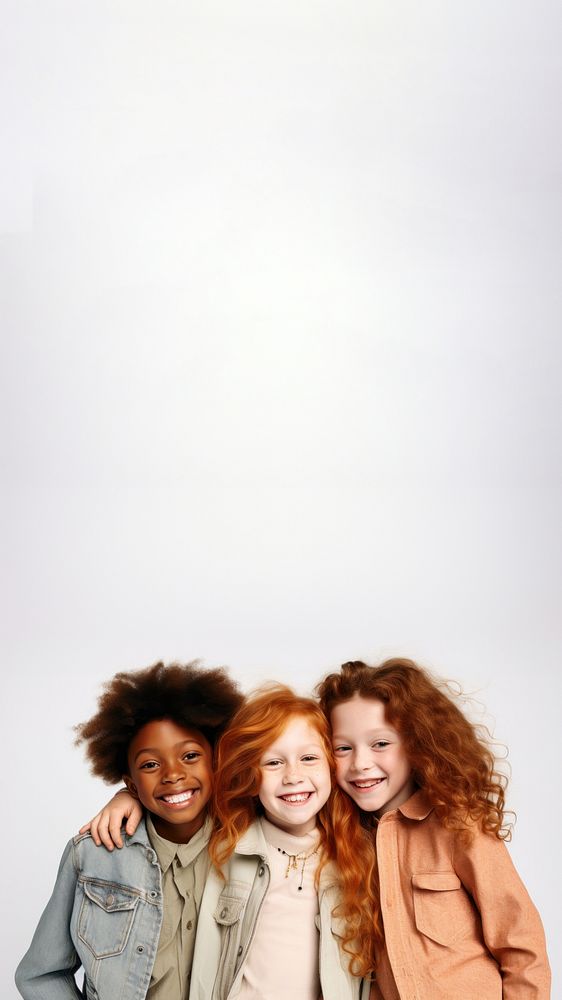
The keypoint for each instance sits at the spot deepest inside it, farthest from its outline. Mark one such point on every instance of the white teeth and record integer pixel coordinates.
(368, 784)
(300, 797)
(182, 797)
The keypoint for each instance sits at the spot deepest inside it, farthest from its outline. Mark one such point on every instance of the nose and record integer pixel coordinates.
(171, 773)
(291, 775)
(362, 759)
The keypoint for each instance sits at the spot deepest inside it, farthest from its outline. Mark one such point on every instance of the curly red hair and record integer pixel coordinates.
(257, 724)
(450, 757)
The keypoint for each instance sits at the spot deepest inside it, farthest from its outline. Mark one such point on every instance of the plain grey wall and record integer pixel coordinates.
(281, 370)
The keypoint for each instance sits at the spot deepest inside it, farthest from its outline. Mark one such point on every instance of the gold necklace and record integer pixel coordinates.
(294, 860)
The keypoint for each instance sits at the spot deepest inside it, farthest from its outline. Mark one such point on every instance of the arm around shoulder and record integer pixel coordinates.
(46, 972)
(105, 827)
(511, 925)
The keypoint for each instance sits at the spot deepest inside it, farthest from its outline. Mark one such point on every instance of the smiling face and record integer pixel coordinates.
(295, 778)
(371, 764)
(170, 772)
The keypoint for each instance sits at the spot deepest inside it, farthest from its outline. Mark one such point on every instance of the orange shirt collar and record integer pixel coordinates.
(417, 806)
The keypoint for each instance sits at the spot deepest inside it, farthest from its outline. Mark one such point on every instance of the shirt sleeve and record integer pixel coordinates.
(46, 972)
(511, 925)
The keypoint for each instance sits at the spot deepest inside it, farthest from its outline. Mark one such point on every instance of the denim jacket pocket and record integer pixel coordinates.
(106, 916)
(443, 910)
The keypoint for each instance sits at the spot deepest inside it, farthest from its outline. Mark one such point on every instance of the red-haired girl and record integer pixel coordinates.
(452, 917)
(267, 928)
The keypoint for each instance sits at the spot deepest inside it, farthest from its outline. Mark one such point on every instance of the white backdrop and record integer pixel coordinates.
(280, 302)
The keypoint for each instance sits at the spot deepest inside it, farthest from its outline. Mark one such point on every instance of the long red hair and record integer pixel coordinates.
(257, 724)
(451, 760)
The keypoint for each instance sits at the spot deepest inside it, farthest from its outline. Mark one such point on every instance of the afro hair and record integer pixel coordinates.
(188, 694)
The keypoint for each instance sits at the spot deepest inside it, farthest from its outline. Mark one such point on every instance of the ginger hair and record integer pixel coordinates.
(255, 727)
(451, 758)
(187, 694)
(257, 724)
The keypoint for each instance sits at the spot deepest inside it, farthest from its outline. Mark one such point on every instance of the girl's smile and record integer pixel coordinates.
(366, 785)
(295, 778)
(170, 773)
(180, 799)
(371, 763)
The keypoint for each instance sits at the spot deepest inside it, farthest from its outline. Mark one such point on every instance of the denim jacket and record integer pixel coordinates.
(105, 914)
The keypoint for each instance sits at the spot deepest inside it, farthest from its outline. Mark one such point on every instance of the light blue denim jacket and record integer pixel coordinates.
(105, 914)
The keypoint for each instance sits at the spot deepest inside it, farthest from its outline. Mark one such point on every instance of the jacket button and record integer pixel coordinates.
(240, 950)
(153, 893)
(261, 871)
(110, 899)
(189, 925)
(223, 913)
(140, 949)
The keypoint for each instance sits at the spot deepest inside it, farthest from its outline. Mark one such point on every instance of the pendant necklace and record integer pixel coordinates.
(296, 861)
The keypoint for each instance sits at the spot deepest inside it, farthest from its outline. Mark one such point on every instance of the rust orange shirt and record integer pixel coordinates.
(458, 921)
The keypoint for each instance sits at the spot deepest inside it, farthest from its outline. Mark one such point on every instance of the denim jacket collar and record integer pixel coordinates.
(140, 836)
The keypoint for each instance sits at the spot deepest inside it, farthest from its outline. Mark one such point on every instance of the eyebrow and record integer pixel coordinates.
(274, 752)
(156, 750)
(371, 733)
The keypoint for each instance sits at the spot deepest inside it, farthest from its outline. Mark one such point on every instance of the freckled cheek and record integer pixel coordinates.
(324, 777)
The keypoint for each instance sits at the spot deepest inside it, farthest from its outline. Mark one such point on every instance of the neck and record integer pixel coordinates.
(177, 833)
(300, 830)
(292, 831)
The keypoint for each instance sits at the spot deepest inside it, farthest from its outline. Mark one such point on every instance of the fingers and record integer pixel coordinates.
(100, 831)
(92, 828)
(110, 827)
(134, 818)
(122, 807)
(105, 827)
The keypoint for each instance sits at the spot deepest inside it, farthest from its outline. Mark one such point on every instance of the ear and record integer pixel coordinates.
(131, 787)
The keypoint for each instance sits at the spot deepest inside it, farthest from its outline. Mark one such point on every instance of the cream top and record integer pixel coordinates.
(283, 957)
